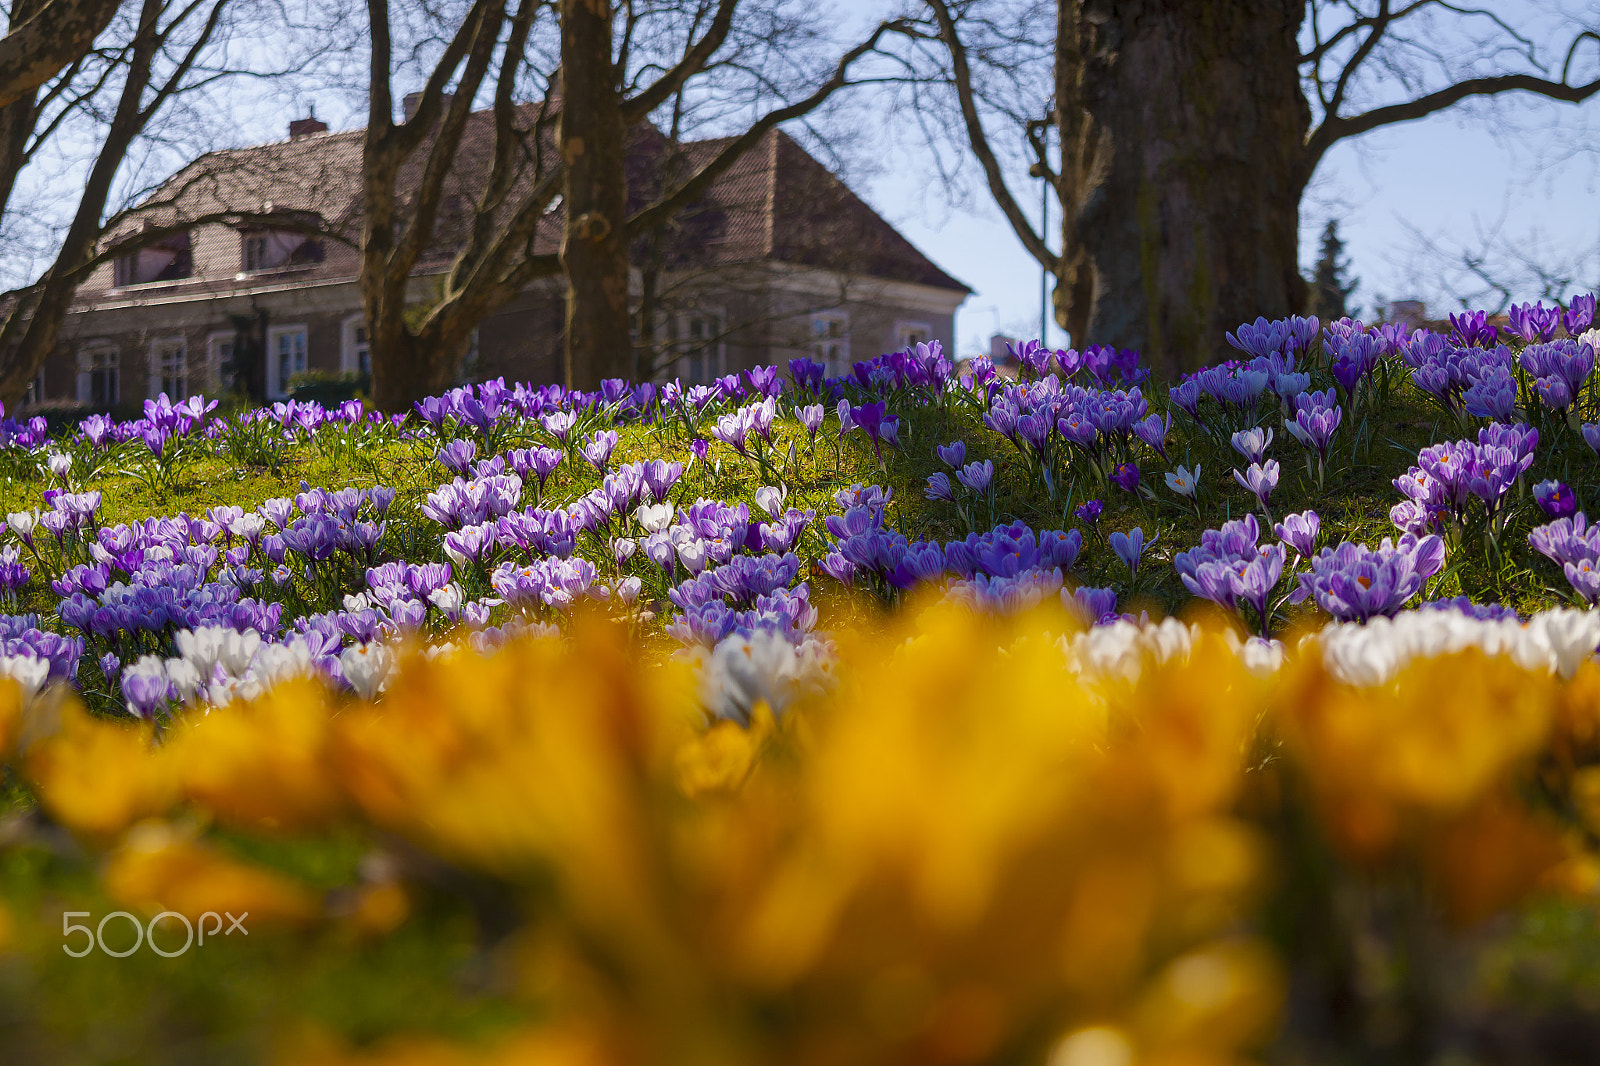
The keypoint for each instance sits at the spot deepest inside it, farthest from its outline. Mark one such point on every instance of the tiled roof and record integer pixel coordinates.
(776, 203)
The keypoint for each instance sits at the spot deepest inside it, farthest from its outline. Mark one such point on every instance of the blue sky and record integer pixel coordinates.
(1449, 179)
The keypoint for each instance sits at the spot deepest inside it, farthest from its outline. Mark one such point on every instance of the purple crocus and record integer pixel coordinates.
(939, 487)
(457, 457)
(1260, 480)
(953, 454)
(1089, 513)
(1090, 605)
(1314, 426)
(1153, 431)
(1579, 314)
(1130, 547)
(599, 447)
(1253, 443)
(1126, 476)
(869, 416)
(1555, 499)
(976, 476)
(811, 417)
(660, 476)
(1354, 583)
(1300, 532)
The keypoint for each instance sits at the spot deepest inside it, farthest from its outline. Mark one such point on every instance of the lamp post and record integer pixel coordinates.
(1038, 132)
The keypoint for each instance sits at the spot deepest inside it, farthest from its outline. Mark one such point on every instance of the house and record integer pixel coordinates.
(779, 259)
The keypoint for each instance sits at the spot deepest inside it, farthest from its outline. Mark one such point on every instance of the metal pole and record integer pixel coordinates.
(1044, 274)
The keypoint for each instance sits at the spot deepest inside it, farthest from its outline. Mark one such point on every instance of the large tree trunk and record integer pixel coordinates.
(1183, 130)
(594, 250)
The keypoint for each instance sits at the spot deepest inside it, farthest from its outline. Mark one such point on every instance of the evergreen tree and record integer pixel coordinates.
(1330, 289)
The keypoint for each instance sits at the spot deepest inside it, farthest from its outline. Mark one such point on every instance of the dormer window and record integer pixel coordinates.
(169, 259)
(273, 249)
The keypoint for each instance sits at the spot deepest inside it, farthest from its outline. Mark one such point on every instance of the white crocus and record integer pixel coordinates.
(22, 522)
(448, 599)
(238, 650)
(654, 517)
(1183, 482)
(771, 499)
(27, 671)
(692, 553)
(742, 672)
(201, 647)
(185, 677)
(1571, 634)
(367, 667)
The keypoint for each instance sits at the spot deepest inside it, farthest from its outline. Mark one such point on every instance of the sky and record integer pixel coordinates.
(1503, 174)
(1450, 179)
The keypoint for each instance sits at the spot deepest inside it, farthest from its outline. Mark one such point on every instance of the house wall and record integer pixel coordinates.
(766, 323)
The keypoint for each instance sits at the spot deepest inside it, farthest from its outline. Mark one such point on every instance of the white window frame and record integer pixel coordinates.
(350, 347)
(906, 329)
(86, 368)
(277, 387)
(716, 347)
(214, 356)
(833, 352)
(160, 373)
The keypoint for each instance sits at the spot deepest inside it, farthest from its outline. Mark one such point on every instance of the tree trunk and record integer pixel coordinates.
(594, 250)
(410, 369)
(1183, 129)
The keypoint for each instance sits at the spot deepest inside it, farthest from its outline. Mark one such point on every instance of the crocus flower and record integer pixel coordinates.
(599, 447)
(1126, 476)
(976, 476)
(1130, 547)
(1153, 431)
(1089, 513)
(1183, 482)
(939, 487)
(1314, 426)
(457, 456)
(1252, 443)
(1355, 583)
(1300, 531)
(953, 454)
(1555, 499)
(1260, 480)
(869, 417)
(811, 417)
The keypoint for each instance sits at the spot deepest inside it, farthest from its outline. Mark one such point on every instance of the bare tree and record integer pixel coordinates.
(157, 57)
(1188, 133)
(45, 36)
(606, 72)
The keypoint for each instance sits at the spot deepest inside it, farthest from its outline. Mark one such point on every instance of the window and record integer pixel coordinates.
(909, 334)
(165, 260)
(355, 353)
(286, 357)
(830, 340)
(98, 377)
(700, 346)
(169, 368)
(272, 249)
(219, 360)
(255, 252)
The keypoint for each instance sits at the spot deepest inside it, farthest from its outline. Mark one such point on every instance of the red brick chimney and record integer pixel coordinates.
(305, 127)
